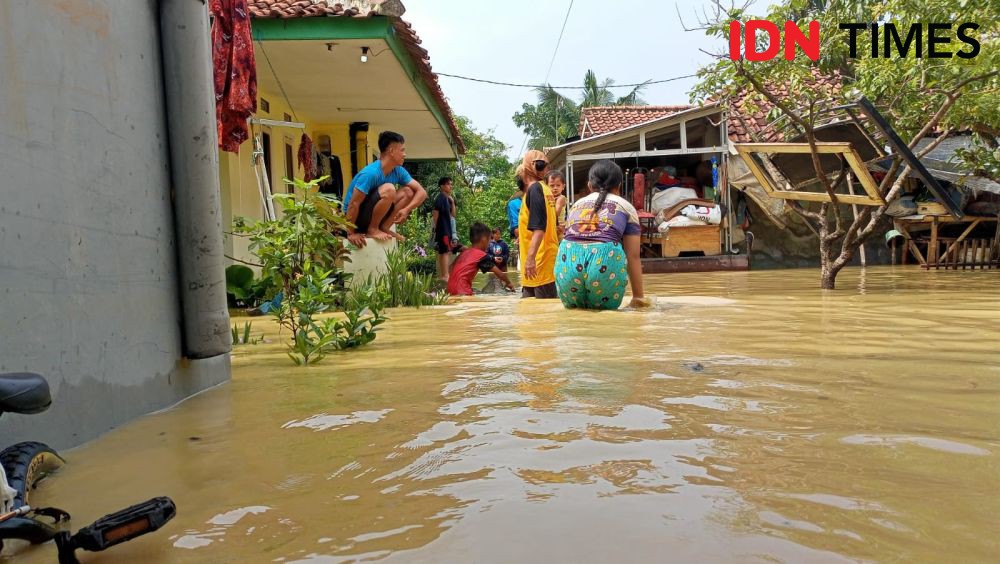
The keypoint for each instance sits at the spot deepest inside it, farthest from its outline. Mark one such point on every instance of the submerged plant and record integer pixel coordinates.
(243, 338)
(397, 286)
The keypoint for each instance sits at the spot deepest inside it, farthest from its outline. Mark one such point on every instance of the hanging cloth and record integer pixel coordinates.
(234, 71)
(306, 160)
(639, 191)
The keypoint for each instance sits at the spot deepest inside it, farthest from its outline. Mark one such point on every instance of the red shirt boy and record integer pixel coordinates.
(472, 260)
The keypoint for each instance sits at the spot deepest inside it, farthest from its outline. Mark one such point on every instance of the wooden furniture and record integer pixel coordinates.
(934, 251)
(691, 239)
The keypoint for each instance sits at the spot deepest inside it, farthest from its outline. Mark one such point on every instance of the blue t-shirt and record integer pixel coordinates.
(371, 177)
(500, 252)
(513, 210)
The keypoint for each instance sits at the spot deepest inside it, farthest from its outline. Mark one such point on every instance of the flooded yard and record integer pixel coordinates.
(748, 417)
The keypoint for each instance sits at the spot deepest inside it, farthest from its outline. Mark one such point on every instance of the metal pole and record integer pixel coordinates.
(194, 165)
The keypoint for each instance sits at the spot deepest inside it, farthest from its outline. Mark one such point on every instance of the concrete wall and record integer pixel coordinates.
(797, 246)
(87, 258)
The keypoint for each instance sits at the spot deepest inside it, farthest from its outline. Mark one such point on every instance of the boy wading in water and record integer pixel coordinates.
(599, 257)
(472, 260)
(537, 236)
(373, 203)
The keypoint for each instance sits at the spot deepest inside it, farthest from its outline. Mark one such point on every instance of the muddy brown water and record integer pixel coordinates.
(747, 417)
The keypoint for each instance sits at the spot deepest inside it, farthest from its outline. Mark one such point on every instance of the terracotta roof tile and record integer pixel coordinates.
(363, 9)
(746, 126)
(597, 120)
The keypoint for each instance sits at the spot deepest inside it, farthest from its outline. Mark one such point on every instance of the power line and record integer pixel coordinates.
(514, 84)
(278, 80)
(558, 41)
(552, 61)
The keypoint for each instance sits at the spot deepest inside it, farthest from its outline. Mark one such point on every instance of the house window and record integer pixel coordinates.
(288, 117)
(289, 168)
(265, 106)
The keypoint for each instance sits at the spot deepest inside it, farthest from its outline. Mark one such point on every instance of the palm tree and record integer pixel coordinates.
(594, 93)
(554, 117)
(599, 93)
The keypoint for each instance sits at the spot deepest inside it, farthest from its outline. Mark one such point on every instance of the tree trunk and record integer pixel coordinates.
(830, 268)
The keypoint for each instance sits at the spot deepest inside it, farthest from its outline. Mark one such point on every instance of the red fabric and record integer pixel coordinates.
(639, 191)
(666, 180)
(463, 271)
(235, 71)
(306, 160)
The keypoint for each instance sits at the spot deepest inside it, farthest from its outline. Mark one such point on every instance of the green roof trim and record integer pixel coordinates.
(329, 29)
(374, 27)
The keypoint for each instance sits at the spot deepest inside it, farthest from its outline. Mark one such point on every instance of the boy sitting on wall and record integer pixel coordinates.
(373, 203)
(472, 260)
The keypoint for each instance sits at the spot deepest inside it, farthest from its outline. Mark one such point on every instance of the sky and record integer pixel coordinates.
(629, 41)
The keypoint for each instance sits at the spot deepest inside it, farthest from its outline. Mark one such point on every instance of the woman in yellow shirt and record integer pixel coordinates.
(538, 238)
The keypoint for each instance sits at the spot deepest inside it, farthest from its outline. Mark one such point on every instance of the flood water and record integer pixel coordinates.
(747, 417)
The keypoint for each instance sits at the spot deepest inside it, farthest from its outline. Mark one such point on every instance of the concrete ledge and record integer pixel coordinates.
(88, 408)
(369, 260)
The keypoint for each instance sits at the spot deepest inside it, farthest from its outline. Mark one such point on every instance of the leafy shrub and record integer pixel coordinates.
(243, 290)
(398, 286)
(300, 253)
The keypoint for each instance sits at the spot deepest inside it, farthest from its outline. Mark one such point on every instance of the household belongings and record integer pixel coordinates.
(666, 199)
(691, 225)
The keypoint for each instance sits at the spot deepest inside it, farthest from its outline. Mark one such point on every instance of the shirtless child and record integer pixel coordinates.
(373, 203)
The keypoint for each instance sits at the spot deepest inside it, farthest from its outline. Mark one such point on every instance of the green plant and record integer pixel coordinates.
(426, 265)
(243, 338)
(239, 282)
(320, 338)
(301, 256)
(244, 290)
(397, 286)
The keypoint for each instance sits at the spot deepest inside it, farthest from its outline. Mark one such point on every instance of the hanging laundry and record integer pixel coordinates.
(306, 160)
(639, 191)
(235, 71)
(331, 167)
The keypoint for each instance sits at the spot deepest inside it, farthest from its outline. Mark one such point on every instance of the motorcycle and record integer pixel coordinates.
(26, 464)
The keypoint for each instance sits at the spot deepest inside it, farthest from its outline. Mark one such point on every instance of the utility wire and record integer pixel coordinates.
(552, 61)
(514, 84)
(558, 41)
(278, 80)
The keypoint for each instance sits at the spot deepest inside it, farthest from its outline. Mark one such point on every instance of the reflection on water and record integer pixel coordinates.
(748, 416)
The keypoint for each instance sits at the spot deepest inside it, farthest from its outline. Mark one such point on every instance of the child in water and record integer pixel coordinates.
(474, 259)
(557, 182)
(600, 255)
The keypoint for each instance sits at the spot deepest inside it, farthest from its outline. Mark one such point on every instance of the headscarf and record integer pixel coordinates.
(528, 172)
(518, 173)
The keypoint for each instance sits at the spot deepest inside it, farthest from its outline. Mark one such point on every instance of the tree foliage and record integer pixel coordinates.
(554, 117)
(483, 181)
(921, 97)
